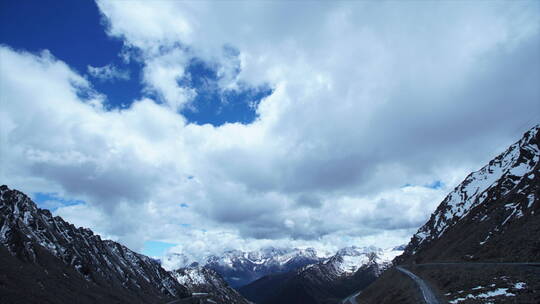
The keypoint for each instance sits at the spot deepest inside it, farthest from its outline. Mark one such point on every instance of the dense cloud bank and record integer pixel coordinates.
(371, 104)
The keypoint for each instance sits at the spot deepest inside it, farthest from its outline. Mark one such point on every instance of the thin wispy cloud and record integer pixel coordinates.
(108, 73)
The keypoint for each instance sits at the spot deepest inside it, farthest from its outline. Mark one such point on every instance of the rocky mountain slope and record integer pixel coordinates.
(492, 215)
(328, 281)
(478, 244)
(47, 260)
(239, 268)
(203, 280)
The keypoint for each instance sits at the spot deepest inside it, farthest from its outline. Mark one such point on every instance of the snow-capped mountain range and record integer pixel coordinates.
(240, 268)
(332, 278)
(348, 260)
(490, 206)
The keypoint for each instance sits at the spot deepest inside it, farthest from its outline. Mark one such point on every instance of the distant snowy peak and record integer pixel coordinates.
(350, 269)
(239, 267)
(265, 256)
(495, 180)
(348, 260)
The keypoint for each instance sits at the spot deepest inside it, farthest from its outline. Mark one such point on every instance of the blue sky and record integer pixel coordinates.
(53, 201)
(215, 106)
(156, 248)
(75, 32)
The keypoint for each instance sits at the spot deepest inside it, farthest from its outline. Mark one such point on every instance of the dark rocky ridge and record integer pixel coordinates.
(493, 215)
(45, 259)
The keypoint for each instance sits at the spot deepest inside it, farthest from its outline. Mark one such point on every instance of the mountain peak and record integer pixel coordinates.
(34, 237)
(347, 271)
(16, 200)
(499, 193)
(242, 267)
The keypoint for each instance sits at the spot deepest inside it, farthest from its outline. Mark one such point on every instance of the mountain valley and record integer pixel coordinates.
(481, 243)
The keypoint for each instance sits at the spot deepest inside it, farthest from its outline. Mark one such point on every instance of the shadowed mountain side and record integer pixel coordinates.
(66, 264)
(493, 216)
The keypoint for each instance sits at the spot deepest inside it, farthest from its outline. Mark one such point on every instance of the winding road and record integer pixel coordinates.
(427, 294)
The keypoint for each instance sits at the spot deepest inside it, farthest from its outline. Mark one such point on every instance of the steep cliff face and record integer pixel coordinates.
(492, 215)
(40, 243)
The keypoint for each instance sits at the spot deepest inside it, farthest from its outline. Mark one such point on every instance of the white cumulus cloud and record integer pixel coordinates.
(367, 97)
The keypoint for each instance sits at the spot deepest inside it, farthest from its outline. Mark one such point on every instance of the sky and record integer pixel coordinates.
(199, 127)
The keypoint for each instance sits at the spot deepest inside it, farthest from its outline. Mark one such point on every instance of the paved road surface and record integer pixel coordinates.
(427, 294)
